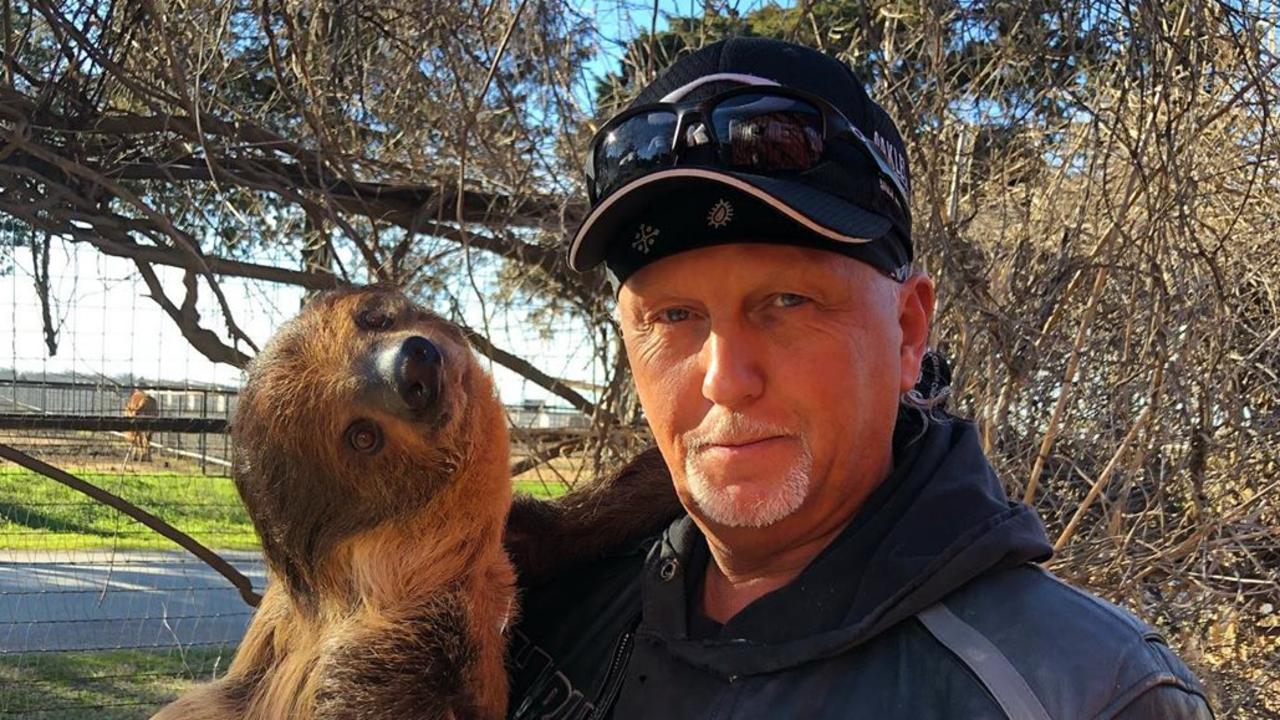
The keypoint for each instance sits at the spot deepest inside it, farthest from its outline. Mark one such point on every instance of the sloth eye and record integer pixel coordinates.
(374, 320)
(364, 436)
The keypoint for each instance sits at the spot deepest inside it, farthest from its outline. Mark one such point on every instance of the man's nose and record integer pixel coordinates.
(731, 372)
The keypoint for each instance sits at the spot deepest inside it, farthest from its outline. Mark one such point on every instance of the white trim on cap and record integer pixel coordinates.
(688, 87)
(708, 175)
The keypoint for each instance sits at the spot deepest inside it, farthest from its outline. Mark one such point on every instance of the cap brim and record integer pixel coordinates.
(825, 214)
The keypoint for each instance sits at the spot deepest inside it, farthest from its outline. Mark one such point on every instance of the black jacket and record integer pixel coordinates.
(926, 606)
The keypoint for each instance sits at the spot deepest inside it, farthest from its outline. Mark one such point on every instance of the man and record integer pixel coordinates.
(846, 552)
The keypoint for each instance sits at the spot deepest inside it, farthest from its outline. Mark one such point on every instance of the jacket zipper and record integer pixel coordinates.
(613, 679)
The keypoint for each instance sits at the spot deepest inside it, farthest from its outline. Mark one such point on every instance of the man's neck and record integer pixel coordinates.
(734, 581)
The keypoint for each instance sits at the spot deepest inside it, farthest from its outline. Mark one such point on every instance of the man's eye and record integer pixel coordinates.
(789, 300)
(673, 315)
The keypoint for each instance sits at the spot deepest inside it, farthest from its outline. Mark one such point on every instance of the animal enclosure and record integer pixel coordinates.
(102, 617)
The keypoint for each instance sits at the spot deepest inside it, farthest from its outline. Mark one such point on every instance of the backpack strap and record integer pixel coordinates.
(992, 668)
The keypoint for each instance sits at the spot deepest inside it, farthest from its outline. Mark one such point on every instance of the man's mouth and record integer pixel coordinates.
(741, 442)
(736, 433)
(737, 447)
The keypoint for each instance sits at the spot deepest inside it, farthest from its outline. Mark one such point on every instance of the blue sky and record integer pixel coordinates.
(619, 21)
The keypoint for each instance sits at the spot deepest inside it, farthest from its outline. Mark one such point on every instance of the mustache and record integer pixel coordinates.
(732, 429)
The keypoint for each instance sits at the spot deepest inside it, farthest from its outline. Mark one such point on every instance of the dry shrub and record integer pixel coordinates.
(1110, 287)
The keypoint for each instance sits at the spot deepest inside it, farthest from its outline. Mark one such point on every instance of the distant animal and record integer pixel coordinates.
(139, 404)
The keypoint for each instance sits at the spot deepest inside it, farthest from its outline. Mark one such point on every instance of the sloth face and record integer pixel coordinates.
(363, 407)
(362, 376)
(410, 370)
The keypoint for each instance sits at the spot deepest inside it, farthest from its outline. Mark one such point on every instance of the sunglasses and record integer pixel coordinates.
(766, 131)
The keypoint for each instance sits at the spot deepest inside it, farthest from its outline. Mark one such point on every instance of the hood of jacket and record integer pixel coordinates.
(938, 521)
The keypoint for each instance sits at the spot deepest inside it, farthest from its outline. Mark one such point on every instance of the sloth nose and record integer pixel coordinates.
(419, 373)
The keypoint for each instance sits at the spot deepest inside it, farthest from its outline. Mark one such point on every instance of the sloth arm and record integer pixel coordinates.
(610, 514)
(414, 662)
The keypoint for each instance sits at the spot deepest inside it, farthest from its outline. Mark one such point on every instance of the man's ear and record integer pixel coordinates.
(915, 317)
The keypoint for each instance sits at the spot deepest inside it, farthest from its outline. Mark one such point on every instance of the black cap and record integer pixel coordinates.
(842, 205)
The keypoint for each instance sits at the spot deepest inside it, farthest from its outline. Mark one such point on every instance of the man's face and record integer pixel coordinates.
(770, 375)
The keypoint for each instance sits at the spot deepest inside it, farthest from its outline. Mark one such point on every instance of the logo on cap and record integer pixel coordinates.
(721, 214)
(894, 157)
(888, 191)
(645, 238)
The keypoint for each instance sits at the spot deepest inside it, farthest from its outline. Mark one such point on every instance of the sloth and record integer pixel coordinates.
(372, 456)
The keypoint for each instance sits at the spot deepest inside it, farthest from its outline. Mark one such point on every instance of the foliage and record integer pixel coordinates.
(389, 141)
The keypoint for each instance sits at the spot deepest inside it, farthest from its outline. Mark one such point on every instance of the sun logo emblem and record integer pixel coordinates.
(721, 214)
(645, 238)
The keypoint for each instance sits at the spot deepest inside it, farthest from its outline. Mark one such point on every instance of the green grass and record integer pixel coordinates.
(549, 479)
(102, 685)
(39, 513)
(539, 489)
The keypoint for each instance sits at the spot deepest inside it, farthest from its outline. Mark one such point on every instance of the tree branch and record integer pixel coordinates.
(187, 318)
(526, 369)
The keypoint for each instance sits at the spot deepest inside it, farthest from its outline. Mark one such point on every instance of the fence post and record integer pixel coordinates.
(204, 413)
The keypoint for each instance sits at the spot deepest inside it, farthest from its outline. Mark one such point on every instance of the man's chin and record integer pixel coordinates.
(757, 504)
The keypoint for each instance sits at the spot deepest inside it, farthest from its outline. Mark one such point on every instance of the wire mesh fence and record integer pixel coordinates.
(1097, 194)
(99, 615)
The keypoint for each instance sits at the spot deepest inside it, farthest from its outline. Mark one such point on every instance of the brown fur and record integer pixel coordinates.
(633, 503)
(390, 588)
(140, 404)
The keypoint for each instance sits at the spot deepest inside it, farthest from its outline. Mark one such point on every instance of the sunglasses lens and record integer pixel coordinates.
(637, 146)
(768, 133)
